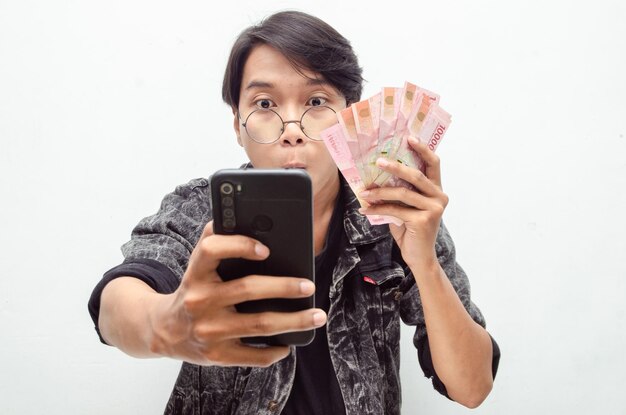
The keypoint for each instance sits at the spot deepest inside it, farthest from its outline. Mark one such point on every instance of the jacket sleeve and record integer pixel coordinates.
(170, 235)
(160, 245)
(412, 313)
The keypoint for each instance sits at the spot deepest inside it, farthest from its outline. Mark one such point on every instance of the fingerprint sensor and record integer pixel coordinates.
(262, 223)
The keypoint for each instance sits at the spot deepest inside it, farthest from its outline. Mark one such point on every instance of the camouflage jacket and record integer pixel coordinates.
(371, 290)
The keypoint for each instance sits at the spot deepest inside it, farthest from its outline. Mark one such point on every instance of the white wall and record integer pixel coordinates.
(106, 106)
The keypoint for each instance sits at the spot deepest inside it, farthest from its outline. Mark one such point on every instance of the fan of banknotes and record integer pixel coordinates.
(380, 127)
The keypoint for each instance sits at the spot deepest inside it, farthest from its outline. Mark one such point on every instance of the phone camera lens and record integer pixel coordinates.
(226, 188)
(229, 213)
(229, 223)
(227, 201)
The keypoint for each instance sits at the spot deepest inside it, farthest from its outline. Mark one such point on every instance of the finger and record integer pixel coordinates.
(270, 323)
(209, 251)
(239, 354)
(431, 160)
(396, 194)
(258, 287)
(411, 175)
(208, 230)
(405, 213)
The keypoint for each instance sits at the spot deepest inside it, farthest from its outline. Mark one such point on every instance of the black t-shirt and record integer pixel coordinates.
(316, 389)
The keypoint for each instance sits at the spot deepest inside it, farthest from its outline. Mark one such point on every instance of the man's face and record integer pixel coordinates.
(270, 81)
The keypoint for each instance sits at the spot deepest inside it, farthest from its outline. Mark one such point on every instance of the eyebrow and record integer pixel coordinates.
(269, 85)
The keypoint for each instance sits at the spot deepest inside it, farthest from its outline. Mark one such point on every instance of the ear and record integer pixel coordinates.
(237, 127)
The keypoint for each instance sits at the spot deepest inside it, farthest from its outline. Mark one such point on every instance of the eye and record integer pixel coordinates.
(316, 101)
(264, 103)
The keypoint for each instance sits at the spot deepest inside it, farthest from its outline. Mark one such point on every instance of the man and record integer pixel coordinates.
(167, 298)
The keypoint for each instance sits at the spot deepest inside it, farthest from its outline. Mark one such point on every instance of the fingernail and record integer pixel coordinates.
(382, 162)
(365, 193)
(319, 319)
(261, 250)
(362, 211)
(307, 287)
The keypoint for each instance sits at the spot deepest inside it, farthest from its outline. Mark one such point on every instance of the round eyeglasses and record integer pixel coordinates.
(265, 126)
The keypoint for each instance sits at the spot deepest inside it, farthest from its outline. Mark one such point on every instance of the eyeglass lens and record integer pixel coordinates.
(266, 126)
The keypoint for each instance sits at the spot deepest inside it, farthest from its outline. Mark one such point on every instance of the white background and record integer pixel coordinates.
(107, 106)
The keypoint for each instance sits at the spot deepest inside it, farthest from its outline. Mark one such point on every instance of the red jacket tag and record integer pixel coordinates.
(368, 279)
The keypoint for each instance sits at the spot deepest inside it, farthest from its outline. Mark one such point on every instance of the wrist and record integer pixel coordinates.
(426, 267)
(426, 260)
(159, 323)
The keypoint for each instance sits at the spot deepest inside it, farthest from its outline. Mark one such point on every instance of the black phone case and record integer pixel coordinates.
(275, 207)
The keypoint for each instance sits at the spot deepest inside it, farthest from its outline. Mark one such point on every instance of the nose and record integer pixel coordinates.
(292, 133)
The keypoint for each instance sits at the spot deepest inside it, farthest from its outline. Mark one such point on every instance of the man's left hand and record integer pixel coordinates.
(420, 209)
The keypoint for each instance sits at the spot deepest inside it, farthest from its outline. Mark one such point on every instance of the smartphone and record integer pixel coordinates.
(275, 207)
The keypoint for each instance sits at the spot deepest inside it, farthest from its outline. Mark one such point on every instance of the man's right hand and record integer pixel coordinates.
(198, 323)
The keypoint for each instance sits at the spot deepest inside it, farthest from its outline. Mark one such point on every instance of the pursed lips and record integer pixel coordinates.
(294, 165)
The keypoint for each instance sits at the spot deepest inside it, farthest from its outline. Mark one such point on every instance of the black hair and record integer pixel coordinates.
(308, 43)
